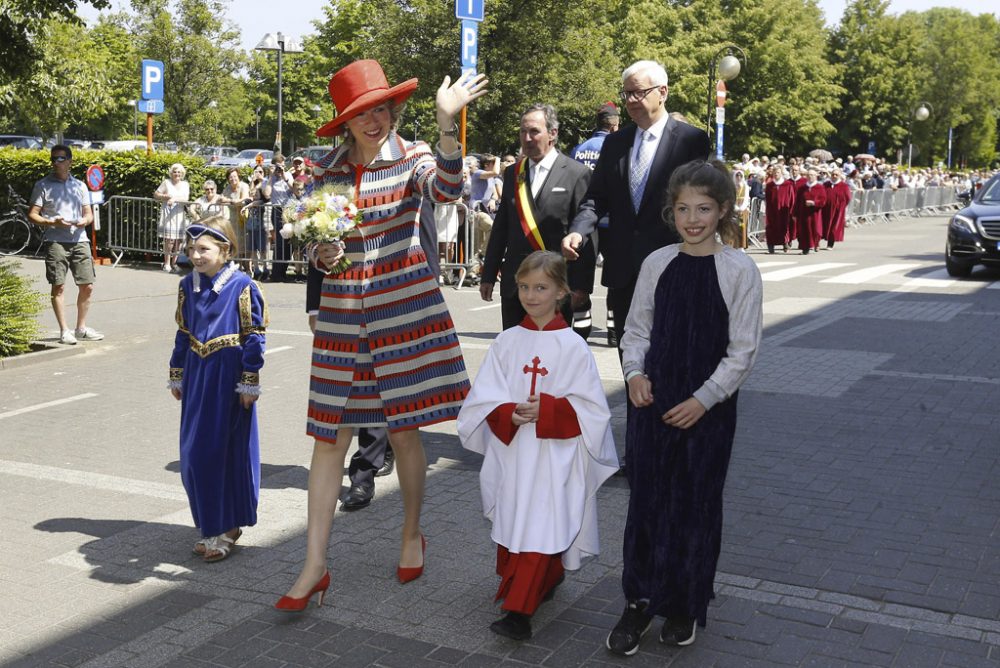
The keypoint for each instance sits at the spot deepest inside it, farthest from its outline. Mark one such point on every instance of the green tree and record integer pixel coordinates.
(20, 22)
(204, 99)
(880, 75)
(780, 100)
(71, 85)
(961, 83)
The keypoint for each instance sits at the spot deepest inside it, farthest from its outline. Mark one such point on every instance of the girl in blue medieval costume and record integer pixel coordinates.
(218, 354)
(690, 341)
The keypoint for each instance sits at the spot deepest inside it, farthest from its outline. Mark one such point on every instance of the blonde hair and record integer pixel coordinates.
(178, 166)
(220, 224)
(551, 264)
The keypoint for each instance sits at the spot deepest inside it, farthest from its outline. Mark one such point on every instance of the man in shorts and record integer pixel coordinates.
(59, 205)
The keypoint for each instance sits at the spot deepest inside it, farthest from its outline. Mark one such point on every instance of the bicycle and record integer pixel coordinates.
(16, 231)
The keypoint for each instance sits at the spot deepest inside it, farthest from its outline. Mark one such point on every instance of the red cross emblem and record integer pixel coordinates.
(535, 372)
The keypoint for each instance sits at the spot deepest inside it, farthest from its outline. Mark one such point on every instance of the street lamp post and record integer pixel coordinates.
(728, 67)
(135, 118)
(282, 45)
(213, 105)
(256, 116)
(921, 112)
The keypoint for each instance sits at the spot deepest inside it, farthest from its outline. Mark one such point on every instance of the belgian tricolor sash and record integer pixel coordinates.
(526, 208)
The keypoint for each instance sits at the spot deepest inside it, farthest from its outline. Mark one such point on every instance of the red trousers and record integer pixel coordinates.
(525, 578)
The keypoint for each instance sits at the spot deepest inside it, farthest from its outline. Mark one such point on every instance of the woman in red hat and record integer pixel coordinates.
(385, 351)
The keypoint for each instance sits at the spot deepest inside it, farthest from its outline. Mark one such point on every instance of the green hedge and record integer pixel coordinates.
(129, 173)
(19, 306)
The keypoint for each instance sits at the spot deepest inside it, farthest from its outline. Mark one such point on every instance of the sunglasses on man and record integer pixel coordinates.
(60, 158)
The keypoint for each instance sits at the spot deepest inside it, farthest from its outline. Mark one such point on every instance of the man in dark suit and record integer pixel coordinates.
(541, 195)
(629, 184)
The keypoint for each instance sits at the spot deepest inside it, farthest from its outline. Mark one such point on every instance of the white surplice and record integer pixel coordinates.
(540, 494)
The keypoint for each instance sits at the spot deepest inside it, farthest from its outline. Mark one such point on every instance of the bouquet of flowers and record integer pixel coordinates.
(326, 216)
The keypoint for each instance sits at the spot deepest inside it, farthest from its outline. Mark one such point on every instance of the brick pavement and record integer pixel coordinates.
(861, 529)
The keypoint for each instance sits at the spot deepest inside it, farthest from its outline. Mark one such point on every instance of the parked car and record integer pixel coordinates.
(246, 157)
(212, 154)
(310, 154)
(20, 141)
(974, 232)
(126, 145)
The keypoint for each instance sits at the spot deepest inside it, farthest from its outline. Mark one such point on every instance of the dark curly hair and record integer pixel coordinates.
(712, 178)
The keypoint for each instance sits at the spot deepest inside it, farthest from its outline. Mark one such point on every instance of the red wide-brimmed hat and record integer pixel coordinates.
(358, 87)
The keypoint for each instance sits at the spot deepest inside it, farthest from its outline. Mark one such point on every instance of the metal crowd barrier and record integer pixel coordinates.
(132, 228)
(467, 243)
(873, 206)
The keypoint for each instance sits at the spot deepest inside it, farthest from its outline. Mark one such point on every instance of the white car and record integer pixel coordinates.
(245, 158)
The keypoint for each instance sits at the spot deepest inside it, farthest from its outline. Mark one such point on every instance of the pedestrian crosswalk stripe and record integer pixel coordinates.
(768, 265)
(871, 273)
(47, 404)
(802, 270)
(938, 278)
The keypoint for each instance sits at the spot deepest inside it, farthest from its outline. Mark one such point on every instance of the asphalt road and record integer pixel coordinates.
(862, 509)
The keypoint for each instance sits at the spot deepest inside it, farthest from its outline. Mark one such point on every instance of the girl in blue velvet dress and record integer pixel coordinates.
(218, 354)
(690, 341)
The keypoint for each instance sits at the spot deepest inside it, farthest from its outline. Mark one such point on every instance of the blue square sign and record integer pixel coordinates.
(470, 10)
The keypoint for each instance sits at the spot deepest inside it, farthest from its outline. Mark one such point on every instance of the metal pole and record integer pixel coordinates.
(281, 44)
(949, 147)
(711, 93)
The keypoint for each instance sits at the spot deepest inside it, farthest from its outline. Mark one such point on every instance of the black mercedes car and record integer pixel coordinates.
(974, 232)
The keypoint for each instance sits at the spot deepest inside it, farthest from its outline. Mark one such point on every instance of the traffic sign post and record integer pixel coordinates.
(470, 13)
(720, 125)
(151, 96)
(470, 46)
(152, 80)
(470, 10)
(95, 183)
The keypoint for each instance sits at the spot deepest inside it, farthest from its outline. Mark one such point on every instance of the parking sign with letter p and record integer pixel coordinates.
(152, 80)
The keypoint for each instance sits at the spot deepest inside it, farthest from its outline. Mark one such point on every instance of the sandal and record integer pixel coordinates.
(223, 544)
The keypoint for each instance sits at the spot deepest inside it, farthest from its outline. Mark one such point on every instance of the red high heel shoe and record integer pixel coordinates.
(410, 574)
(289, 604)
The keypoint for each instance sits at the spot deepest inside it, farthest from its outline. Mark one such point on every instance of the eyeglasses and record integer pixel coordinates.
(59, 158)
(636, 95)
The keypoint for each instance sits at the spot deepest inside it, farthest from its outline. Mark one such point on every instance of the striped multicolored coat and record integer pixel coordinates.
(385, 349)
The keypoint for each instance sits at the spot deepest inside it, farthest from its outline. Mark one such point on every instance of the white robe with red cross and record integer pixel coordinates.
(539, 487)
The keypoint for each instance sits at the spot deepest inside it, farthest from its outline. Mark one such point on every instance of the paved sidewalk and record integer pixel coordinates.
(862, 508)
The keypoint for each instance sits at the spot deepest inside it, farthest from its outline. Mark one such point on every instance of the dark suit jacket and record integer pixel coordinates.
(557, 204)
(632, 236)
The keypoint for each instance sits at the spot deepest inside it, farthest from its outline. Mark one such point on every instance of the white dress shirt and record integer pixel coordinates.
(655, 132)
(537, 171)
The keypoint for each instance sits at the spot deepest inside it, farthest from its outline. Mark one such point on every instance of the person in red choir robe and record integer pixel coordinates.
(538, 414)
(779, 196)
(809, 203)
(838, 196)
(798, 180)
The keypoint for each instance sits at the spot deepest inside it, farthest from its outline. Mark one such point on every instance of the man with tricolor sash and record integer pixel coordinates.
(541, 194)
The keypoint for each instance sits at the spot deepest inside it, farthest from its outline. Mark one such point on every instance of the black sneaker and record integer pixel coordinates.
(678, 631)
(624, 639)
(513, 625)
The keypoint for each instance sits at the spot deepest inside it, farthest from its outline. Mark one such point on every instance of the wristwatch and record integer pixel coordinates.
(452, 131)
